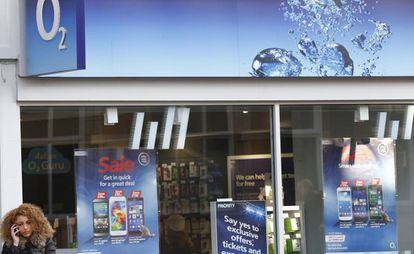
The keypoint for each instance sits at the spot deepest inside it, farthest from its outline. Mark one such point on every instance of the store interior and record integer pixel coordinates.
(216, 140)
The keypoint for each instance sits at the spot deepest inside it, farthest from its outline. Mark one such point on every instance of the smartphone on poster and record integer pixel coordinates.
(100, 217)
(344, 203)
(118, 216)
(135, 216)
(375, 201)
(360, 203)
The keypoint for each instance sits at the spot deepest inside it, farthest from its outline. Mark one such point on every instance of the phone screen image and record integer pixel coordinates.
(135, 216)
(344, 204)
(375, 202)
(360, 204)
(100, 218)
(118, 215)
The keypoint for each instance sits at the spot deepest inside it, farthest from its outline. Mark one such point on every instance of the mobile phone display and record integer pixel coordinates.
(100, 217)
(344, 203)
(118, 216)
(375, 202)
(135, 216)
(360, 203)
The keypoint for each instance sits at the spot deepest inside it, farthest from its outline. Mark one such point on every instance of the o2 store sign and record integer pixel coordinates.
(47, 36)
(55, 36)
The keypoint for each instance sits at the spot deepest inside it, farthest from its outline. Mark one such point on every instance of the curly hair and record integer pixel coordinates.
(40, 224)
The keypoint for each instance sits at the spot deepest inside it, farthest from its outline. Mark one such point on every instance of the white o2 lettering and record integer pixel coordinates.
(47, 36)
(62, 45)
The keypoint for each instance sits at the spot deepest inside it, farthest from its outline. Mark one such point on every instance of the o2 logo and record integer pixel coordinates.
(47, 36)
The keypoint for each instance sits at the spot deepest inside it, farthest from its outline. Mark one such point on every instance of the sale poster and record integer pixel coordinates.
(117, 208)
(360, 197)
(239, 227)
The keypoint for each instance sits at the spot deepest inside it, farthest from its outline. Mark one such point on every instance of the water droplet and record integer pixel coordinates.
(338, 3)
(366, 72)
(328, 19)
(276, 62)
(359, 41)
(308, 48)
(291, 31)
(348, 27)
(382, 31)
(335, 61)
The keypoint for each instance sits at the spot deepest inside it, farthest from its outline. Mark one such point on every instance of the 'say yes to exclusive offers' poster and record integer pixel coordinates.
(238, 227)
(117, 208)
(360, 203)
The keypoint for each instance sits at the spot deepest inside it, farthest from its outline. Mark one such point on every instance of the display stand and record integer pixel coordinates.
(186, 187)
(294, 230)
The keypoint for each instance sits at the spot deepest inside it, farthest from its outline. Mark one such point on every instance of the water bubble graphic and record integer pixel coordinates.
(276, 62)
(307, 47)
(324, 21)
(382, 31)
(359, 41)
(377, 39)
(338, 3)
(368, 67)
(335, 61)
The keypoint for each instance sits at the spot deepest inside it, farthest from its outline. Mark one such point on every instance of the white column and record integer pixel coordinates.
(277, 182)
(9, 29)
(11, 192)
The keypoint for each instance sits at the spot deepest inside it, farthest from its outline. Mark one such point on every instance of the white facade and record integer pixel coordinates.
(10, 165)
(16, 91)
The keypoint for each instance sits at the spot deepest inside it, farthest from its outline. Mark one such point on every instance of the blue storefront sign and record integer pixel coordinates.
(117, 210)
(360, 198)
(54, 36)
(238, 227)
(216, 38)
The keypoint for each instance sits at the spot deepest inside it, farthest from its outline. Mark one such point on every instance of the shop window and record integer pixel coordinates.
(222, 143)
(349, 170)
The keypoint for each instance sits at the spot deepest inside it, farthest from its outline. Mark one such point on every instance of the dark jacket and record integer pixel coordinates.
(29, 248)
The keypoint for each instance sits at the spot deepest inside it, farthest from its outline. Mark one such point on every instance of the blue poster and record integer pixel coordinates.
(360, 197)
(239, 227)
(54, 36)
(249, 178)
(248, 38)
(117, 208)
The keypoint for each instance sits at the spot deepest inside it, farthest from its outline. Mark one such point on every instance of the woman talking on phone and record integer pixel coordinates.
(26, 230)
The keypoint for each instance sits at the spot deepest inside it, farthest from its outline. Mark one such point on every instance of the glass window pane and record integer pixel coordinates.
(222, 144)
(348, 168)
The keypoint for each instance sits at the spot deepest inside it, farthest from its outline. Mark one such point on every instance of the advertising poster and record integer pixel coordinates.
(247, 38)
(248, 176)
(239, 227)
(360, 197)
(117, 208)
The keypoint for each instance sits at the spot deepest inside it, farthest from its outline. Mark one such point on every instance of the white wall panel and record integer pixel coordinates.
(214, 89)
(11, 192)
(9, 29)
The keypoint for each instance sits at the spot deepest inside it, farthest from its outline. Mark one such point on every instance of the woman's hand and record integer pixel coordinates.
(14, 231)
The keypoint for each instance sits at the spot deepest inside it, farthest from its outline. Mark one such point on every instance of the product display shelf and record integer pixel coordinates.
(186, 188)
(294, 230)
